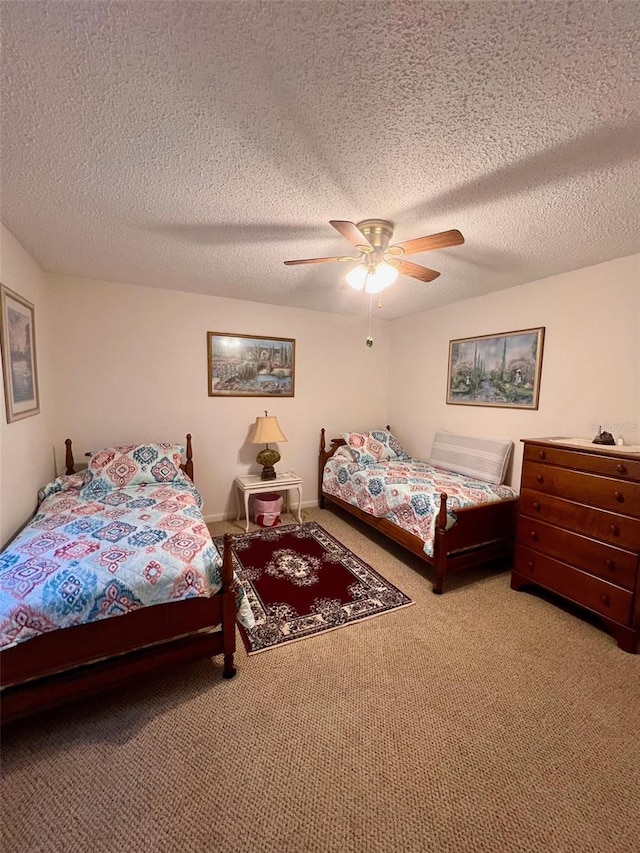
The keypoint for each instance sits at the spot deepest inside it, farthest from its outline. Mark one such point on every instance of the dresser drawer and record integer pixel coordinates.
(597, 558)
(616, 495)
(616, 529)
(610, 466)
(587, 590)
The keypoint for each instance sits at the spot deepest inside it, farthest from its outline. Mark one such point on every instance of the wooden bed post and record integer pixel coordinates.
(228, 593)
(321, 462)
(439, 547)
(68, 460)
(188, 468)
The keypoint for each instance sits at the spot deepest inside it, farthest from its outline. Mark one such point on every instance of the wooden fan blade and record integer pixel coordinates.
(351, 232)
(416, 271)
(315, 261)
(423, 244)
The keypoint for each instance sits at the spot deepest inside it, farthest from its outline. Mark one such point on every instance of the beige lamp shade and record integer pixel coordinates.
(266, 431)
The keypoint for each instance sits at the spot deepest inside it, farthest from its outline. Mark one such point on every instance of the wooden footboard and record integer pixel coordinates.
(482, 534)
(59, 666)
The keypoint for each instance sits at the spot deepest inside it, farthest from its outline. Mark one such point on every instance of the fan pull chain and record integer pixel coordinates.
(369, 341)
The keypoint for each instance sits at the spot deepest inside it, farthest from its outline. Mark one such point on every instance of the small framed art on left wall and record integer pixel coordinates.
(19, 363)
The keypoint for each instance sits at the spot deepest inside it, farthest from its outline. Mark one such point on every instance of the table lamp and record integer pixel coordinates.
(265, 431)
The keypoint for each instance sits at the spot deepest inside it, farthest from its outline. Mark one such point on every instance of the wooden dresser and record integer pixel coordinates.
(578, 531)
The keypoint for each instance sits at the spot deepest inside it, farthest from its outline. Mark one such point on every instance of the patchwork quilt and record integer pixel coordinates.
(92, 553)
(407, 492)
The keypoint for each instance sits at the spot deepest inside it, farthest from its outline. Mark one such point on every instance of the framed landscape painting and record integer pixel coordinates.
(496, 370)
(19, 368)
(250, 366)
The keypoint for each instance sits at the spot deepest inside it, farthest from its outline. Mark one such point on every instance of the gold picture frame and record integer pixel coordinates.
(501, 370)
(250, 365)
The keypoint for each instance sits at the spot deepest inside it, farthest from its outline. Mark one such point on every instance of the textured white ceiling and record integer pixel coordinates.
(198, 145)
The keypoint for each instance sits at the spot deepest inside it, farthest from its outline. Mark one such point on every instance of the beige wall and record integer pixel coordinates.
(120, 363)
(26, 452)
(132, 366)
(590, 369)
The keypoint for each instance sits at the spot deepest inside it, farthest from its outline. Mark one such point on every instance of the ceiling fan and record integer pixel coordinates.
(380, 263)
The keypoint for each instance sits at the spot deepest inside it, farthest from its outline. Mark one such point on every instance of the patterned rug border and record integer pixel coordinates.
(291, 528)
(324, 631)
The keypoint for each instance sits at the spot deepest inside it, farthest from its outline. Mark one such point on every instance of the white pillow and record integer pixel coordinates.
(479, 458)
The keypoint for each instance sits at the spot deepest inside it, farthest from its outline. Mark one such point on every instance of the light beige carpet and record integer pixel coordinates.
(482, 720)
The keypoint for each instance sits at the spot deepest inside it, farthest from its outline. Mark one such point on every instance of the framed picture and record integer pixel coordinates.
(250, 366)
(18, 337)
(496, 370)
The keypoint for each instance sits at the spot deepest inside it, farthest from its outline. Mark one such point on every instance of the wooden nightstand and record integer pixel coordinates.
(251, 484)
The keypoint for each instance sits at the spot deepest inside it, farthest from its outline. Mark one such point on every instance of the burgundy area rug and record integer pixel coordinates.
(301, 581)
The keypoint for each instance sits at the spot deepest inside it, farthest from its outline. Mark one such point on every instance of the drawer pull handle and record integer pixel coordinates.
(536, 506)
(542, 454)
(531, 566)
(539, 478)
(615, 530)
(534, 535)
(619, 497)
(611, 565)
(621, 469)
(605, 600)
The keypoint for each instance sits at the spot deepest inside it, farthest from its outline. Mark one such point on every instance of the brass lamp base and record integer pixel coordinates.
(268, 459)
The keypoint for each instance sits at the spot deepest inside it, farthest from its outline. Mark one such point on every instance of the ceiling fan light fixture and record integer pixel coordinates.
(357, 277)
(374, 285)
(385, 274)
(372, 278)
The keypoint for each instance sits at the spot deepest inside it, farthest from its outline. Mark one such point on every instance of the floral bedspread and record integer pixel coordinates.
(407, 492)
(81, 559)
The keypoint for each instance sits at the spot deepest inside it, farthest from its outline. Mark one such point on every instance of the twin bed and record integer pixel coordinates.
(454, 512)
(125, 539)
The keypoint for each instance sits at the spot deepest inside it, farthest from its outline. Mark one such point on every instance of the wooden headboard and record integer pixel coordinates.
(187, 467)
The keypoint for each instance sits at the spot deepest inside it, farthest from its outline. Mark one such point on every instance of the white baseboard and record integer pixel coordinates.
(222, 516)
